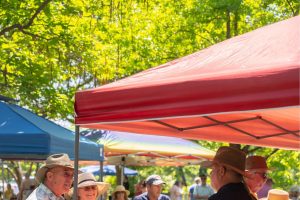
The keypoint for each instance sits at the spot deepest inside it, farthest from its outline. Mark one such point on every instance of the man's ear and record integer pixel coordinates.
(222, 170)
(49, 175)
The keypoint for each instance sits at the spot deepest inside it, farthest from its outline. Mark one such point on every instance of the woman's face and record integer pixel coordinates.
(120, 195)
(88, 193)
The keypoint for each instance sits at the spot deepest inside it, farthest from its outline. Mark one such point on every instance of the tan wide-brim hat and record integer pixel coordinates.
(229, 157)
(54, 160)
(276, 194)
(121, 188)
(88, 179)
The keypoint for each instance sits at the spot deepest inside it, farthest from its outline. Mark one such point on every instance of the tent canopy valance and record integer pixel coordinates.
(121, 148)
(27, 136)
(243, 90)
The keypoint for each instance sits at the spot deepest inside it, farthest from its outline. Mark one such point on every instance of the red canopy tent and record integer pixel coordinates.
(243, 90)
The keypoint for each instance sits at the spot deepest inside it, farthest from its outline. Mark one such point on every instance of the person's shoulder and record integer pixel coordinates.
(141, 196)
(163, 197)
(213, 197)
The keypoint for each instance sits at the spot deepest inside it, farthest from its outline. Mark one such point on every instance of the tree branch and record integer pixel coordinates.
(253, 150)
(274, 151)
(29, 23)
(289, 3)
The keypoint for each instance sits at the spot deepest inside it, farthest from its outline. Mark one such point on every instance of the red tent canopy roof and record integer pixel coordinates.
(235, 80)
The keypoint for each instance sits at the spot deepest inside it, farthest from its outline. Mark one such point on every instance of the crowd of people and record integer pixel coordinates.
(233, 177)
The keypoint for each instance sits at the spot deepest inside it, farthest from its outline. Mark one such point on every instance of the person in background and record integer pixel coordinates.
(27, 186)
(256, 170)
(228, 169)
(126, 182)
(191, 189)
(8, 193)
(88, 187)
(176, 191)
(294, 192)
(120, 193)
(55, 178)
(140, 188)
(202, 191)
(154, 186)
(263, 192)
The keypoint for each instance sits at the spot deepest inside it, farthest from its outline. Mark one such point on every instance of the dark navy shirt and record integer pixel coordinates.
(232, 191)
(144, 196)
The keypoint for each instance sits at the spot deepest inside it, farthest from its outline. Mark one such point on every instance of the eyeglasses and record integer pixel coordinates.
(87, 188)
(263, 175)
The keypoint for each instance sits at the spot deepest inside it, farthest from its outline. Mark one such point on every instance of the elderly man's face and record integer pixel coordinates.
(256, 179)
(59, 179)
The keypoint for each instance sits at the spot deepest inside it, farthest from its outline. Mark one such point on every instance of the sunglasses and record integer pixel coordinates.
(263, 175)
(87, 188)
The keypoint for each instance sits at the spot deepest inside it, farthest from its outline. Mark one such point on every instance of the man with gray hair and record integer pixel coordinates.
(55, 178)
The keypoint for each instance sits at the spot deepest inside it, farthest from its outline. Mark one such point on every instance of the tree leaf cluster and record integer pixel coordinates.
(50, 49)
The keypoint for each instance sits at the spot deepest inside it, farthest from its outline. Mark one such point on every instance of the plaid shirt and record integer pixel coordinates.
(43, 193)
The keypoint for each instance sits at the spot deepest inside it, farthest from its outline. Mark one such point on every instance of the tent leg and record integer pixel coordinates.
(101, 171)
(76, 153)
(2, 167)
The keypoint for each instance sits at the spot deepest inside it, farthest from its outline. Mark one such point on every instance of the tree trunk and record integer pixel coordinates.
(228, 31)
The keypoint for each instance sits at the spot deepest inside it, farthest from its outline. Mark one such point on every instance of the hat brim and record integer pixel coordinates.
(102, 186)
(126, 191)
(208, 164)
(261, 170)
(40, 174)
(266, 198)
(158, 182)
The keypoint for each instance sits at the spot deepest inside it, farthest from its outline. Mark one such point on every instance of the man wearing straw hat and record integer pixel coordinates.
(228, 169)
(55, 178)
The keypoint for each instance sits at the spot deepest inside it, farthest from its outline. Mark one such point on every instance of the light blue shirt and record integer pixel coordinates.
(203, 191)
(43, 193)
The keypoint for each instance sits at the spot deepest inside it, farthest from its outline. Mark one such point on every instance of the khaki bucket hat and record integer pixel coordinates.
(54, 160)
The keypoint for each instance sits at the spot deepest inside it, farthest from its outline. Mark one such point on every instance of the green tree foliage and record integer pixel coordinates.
(49, 49)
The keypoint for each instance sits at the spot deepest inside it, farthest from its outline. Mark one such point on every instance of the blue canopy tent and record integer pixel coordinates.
(27, 136)
(108, 170)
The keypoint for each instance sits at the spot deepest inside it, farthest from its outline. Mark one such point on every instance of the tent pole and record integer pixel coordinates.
(2, 166)
(101, 175)
(101, 171)
(77, 129)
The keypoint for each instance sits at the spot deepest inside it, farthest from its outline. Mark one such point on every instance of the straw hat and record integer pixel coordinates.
(257, 163)
(54, 160)
(88, 179)
(229, 157)
(276, 194)
(121, 188)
